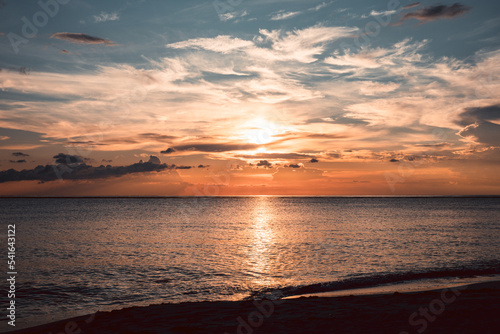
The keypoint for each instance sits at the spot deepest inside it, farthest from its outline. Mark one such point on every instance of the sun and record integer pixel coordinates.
(260, 131)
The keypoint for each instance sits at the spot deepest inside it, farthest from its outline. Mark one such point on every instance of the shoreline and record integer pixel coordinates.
(421, 285)
(467, 308)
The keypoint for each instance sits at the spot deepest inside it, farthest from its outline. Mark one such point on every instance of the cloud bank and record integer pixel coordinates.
(70, 167)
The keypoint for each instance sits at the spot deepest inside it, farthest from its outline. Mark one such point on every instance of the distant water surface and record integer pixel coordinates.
(78, 256)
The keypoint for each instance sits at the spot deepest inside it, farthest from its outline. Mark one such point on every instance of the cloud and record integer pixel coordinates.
(432, 13)
(412, 5)
(272, 45)
(437, 145)
(183, 167)
(210, 148)
(233, 15)
(157, 136)
(81, 38)
(283, 15)
(168, 151)
(276, 156)
(67, 159)
(17, 161)
(4, 137)
(382, 13)
(103, 17)
(278, 70)
(401, 53)
(313, 160)
(20, 154)
(154, 160)
(481, 125)
(81, 171)
(264, 163)
(320, 6)
(222, 44)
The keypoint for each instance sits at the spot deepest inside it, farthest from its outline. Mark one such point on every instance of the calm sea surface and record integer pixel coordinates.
(78, 256)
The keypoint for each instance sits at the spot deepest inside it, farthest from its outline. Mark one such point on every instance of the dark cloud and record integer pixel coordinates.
(477, 122)
(211, 148)
(264, 163)
(17, 161)
(203, 166)
(412, 5)
(67, 159)
(168, 151)
(286, 156)
(293, 166)
(81, 38)
(313, 160)
(394, 160)
(81, 171)
(183, 167)
(157, 136)
(438, 145)
(325, 136)
(20, 154)
(432, 13)
(337, 120)
(84, 143)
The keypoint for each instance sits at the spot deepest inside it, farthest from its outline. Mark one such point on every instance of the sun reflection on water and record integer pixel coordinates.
(262, 238)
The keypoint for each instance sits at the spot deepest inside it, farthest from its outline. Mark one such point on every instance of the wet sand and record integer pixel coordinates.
(465, 309)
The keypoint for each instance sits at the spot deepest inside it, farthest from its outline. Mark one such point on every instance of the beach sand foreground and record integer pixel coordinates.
(466, 309)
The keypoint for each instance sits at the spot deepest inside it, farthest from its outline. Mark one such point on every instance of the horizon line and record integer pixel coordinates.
(250, 196)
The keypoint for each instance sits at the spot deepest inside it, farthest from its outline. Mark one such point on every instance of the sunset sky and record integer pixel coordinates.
(249, 97)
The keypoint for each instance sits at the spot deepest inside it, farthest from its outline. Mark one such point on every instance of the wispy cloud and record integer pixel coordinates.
(233, 15)
(382, 13)
(103, 17)
(81, 38)
(223, 44)
(351, 99)
(283, 15)
(320, 6)
(412, 5)
(299, 45)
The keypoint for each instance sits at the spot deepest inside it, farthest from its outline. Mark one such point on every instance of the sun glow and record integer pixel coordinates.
(260, 131)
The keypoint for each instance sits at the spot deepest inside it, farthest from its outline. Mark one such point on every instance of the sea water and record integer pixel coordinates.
(76, 256)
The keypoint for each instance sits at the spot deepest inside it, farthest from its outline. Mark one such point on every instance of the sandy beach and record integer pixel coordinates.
(463, 309)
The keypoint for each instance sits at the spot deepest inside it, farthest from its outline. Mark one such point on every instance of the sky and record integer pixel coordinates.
(249, 97)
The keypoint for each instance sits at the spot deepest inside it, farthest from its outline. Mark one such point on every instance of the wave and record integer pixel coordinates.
(371, 280)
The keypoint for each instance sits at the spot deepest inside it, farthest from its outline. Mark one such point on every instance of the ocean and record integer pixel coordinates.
(76, 256)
